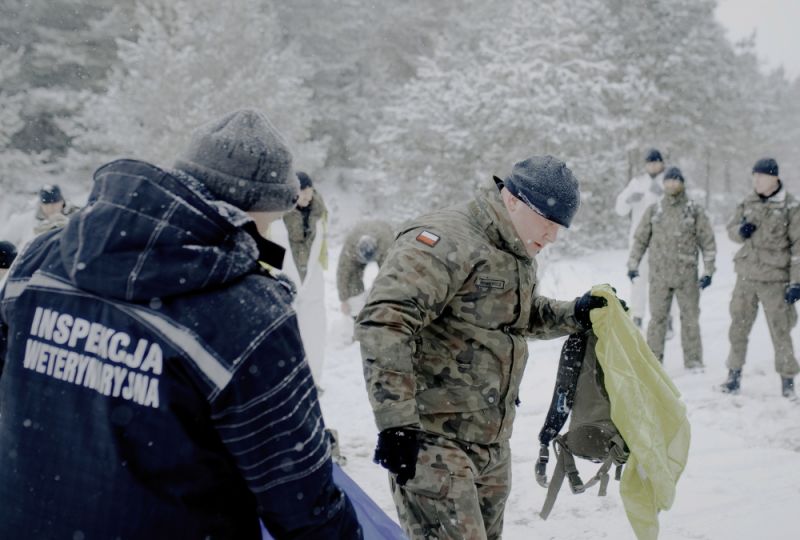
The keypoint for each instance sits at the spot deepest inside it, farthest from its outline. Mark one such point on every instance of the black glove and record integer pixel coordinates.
(633, 274)
(792, 293)
(584, 305)
(622, 302)
(397, 451)
(704, 282)
(746, 229)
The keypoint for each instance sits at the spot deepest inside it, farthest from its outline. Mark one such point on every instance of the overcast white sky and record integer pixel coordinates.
(777, 25)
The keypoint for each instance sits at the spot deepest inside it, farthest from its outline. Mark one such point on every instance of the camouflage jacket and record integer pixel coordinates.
(350, 271)
(48, 223)
(673, 229)
(772, 253)
(443, 334)
(301, 235)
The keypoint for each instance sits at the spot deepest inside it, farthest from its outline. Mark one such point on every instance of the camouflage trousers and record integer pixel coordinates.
(459, 491)
(688, 296)
(781, 318)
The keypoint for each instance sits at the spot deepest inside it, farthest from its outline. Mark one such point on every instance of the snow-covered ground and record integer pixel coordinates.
(742, 480)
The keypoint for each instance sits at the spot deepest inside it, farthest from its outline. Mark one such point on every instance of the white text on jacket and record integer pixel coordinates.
(95, 356)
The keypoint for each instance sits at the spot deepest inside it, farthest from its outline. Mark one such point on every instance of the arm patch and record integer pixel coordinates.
(428, 238)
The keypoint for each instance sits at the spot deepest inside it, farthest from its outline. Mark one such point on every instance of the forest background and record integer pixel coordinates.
(401, 107)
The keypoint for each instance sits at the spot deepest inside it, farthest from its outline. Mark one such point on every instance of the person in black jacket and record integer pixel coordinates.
(154, 383)
(8, 252)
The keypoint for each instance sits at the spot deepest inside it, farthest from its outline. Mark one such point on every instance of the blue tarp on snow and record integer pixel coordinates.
(374, 521)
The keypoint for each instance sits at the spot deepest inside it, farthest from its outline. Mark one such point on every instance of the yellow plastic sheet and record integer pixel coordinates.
(647, 410)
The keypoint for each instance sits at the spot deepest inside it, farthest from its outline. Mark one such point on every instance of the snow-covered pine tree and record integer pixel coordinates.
(515, 80)
(13, 162)
(190, 62)
(359, 50)
(53, 51)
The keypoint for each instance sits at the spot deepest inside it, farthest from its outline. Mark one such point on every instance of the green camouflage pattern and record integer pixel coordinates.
(350, 270)
(459, 491)
(300, 238)
(765, 265)
(443, 333)
(772, 253)
(688, 297)
(674, 230)
(781, 318)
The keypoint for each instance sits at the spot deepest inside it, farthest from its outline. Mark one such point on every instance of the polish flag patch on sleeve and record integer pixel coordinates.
(428, 238)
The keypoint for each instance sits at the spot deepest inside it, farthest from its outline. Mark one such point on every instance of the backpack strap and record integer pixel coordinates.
(569, 368)
(540, 469)
(616, 455)
(565, 468)
(600, 476)
(555, 484)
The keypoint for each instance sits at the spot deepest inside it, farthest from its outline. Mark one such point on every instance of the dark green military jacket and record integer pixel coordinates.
(302, 231)
(443, 334)
(772, 253)
(674, 229)
(350, 270)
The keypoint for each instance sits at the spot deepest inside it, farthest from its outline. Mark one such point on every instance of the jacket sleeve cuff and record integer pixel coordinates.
(397, 414)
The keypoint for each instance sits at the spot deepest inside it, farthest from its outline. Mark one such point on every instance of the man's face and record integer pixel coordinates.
(535, 230)
(50, 209)
(305, 197)
(765, 184)
(673, 186)
(654, 167)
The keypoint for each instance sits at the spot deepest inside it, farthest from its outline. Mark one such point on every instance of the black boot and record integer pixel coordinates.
(788, 387)
(731, 384)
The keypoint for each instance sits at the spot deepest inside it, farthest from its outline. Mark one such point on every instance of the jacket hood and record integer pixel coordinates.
(146, 233)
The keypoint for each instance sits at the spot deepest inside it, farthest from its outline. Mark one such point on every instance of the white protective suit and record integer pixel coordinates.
(641, 192)
(309, 304)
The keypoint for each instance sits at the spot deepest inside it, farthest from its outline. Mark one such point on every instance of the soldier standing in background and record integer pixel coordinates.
(53, 211)
(304, 222)
(672, 230)
(641, 192)
(444, 344)
(767, 224)
(368, 241)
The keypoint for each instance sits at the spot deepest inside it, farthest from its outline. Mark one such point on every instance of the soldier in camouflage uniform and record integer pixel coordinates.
(443, 340)
(53, 211)
(368, 241)
(673, 229)
(767, 224)
(302, 223)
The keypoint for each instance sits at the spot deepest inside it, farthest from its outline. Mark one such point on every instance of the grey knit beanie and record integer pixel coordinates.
(242, 159)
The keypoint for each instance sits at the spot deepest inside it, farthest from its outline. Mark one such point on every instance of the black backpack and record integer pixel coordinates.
(580, 393)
